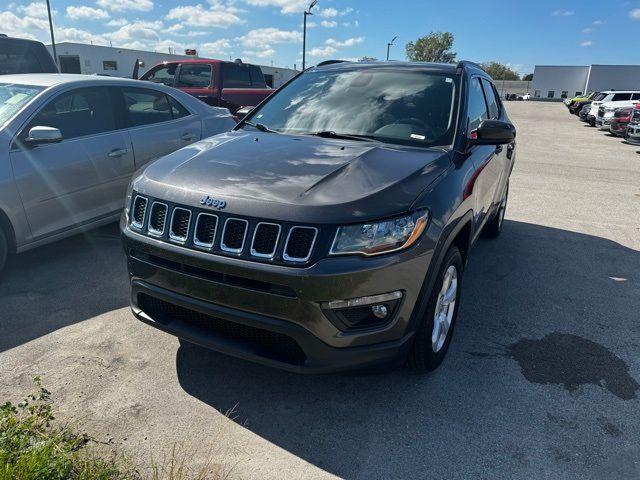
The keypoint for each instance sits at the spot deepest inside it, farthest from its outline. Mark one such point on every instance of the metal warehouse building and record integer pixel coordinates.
(553, 82)
(119, 62)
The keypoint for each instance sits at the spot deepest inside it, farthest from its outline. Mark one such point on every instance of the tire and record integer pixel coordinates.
(429, 347)
(493, 228)
(4, 249)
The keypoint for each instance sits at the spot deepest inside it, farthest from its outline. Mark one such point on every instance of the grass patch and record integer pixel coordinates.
(33, 448)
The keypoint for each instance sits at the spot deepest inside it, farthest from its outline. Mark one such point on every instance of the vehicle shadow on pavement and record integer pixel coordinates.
(60, 284)
(478, 413)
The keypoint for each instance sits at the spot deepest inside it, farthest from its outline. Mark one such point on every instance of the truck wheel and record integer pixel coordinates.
(493, 228)
(433, 337)
(4, 249)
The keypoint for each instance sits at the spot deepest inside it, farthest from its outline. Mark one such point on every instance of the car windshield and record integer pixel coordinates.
(13, 97)
(401, 106)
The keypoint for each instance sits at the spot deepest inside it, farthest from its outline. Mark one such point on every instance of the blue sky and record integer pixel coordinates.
(521, 34)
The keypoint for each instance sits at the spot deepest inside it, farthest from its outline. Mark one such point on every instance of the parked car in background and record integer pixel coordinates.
(524, 96)
(570, 101)
(69, 145)
(586, 108)
(606, 111)
(330, 230)
(18, 55)
(632, 134)
(231, 85)
(608, 97)
(577, 105)
(620, 121)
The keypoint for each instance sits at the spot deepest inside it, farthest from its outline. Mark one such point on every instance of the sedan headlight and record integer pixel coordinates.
(377, 238)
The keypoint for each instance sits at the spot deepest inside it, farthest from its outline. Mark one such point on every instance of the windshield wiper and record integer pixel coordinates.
(332, 134)
(260, 126)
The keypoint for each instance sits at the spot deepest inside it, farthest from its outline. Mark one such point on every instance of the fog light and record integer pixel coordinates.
(379, 311)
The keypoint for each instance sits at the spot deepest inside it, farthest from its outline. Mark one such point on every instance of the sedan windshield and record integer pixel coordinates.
(401, 106)
(13, 97)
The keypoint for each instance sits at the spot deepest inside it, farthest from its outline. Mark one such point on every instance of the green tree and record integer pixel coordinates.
(435, 47)
(368, 59)
(528, 77)
(499, 71)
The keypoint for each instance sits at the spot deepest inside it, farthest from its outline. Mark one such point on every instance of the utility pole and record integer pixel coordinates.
(389, 46)
(53, 40)
(304, 33)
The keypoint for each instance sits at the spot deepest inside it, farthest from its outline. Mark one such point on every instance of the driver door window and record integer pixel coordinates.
(477, 106)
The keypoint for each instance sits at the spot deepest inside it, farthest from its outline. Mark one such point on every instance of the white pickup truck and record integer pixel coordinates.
(613, 99)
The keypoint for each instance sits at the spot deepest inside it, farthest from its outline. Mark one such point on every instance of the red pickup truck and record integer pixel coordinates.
(220, 84)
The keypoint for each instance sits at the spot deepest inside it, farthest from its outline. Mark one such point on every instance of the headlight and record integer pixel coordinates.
(380, 237)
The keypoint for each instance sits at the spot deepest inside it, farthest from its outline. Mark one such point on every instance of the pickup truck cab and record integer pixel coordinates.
(220, 84)
(606, 111)
(18, 55)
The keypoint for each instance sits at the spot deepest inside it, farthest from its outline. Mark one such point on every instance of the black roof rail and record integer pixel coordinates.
(462, 63)
(330, 62)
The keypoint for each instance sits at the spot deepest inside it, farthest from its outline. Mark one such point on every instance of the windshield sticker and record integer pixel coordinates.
(17, 98)
(418, 137)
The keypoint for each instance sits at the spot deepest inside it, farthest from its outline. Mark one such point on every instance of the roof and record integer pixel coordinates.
(440, 67)
(197, 60)
(50, 79)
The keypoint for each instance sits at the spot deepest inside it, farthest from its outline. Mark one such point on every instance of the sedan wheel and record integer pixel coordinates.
(445, 308)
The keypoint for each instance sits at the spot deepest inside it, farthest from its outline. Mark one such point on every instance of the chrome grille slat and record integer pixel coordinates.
(139, 211)
(157, 219)
(230, 241)
(204, 233)
(267, 236)
(299, 242)
(180, 223)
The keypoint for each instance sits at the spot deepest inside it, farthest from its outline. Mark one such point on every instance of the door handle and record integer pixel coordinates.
(188, 137)
(499, 149)
(118, 152)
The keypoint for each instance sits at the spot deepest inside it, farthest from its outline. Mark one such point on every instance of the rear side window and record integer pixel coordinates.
(194, 76)
(257, 78)
(235, 76)
(145, 107)
(618, 97)
(164, 75)
(635, 96)
(19, 56)
(78, 113)
(477, 106)
(492, 101)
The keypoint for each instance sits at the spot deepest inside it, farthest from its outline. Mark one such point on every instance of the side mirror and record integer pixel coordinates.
(39, 135)
(493, 132)
(243, 112)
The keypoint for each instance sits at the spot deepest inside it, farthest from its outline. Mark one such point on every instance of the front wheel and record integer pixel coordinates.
(433, 337)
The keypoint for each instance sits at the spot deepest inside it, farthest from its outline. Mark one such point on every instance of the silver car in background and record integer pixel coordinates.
(69, 145)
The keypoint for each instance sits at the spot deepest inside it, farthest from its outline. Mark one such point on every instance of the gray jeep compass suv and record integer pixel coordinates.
(331, 228)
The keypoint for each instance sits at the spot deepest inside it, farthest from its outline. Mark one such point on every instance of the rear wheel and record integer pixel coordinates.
(433, 337)
(4, 249)
(493, 229)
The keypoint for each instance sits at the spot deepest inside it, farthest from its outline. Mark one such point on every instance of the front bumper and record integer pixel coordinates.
(618, 128)
(632, 134)
(273, 314)
(603, 123)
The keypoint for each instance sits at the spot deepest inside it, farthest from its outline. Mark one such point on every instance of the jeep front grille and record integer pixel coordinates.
(300, 244)
(139, 211)
(265, 240)
(205, 232)
(180, 221)
(157, 219)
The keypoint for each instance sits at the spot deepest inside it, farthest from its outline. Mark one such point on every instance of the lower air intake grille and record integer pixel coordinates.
(300, 244)
(139, 211)
(265, 240)
(157, 218)
(180, 220)
(235, 230)
(264, 343)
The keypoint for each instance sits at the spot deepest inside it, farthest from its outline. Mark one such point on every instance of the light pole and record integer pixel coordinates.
(389, 46)
(53, 40)
(304, 33)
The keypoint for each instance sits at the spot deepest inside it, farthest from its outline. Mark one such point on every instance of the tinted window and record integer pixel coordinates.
(236, 76)
(618, 97)
(177, 110)
(635, 96)
(163, 75)
(81, 112)
(20, 56)
(145, 106)
(492, 101)
(409, 107)
(477, 105)
(194, 76)
(257, 78)
(551, 94)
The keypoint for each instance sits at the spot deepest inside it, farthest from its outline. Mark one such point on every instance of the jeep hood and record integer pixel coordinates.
(300, 178)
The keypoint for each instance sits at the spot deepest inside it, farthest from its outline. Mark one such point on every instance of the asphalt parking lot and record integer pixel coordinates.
(541, 380)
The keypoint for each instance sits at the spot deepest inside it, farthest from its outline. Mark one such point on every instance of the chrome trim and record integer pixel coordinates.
(176, 238)
(313, 243)
(223, 247)
(197, 242)
(135, 224)
(152, 231)
(363, 301)
(275, 245)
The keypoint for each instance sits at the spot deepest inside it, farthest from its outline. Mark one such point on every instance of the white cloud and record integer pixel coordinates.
(221, 46)
(329, 23)
(24, 27)
(86, 13)
(286, 6)
(598, 22)
(588, 43)
(322, 51)
(217, 15)
(635, 14)
(136, 31)
(268, 52)
(78, 36)
(178, 27)
(349, 42)
(264, 37)
(587, 30)
(328, 12)
(35, 10)
(562, 13)
(117, 22)
(123, 5)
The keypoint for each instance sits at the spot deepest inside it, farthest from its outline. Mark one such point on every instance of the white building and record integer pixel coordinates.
(119, 62)
(554, 82)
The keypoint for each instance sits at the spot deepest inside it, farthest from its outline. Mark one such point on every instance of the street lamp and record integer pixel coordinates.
(304, 33)
(389, 46)
(53, 41)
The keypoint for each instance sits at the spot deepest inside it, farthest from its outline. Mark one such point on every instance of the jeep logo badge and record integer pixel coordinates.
(213, 202)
